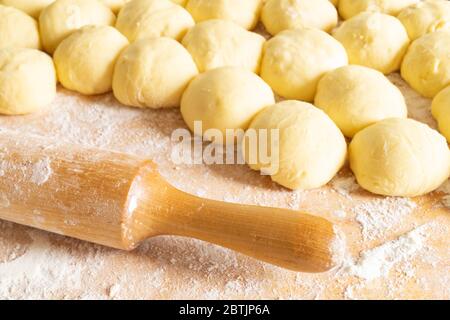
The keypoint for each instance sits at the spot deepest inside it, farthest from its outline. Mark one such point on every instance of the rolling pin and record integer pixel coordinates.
(118, 200)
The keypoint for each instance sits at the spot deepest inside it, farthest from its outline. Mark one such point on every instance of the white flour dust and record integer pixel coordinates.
(41, 171)
(377, 216)
(379, 261)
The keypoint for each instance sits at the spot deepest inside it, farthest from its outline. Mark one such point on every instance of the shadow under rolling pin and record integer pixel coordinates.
(118, 200)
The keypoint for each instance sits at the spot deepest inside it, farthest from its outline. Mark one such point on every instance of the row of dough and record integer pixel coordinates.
(279, 15)
(419, 17)
(378, 41)
(155, 73)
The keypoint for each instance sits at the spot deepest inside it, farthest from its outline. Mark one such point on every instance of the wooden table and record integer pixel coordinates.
(36, 264)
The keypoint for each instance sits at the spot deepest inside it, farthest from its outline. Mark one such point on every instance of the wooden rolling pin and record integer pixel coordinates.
(118, 201)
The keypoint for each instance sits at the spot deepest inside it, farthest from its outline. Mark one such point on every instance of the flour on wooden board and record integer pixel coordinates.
(38, 266)
(377, 216)
(378, 262)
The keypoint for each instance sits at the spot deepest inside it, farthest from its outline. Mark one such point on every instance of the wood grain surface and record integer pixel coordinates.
(36, 264)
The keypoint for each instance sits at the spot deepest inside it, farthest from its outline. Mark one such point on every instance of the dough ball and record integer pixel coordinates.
(30, 7)
(244, 13)
(85, 60)
(220, 43)
(425, 17)
(115, 5)
(27, 80)
(295, 60)
(335, 2)
(311, 148)
(225, 98)
(153, 18)
(279, 15)
(351, 8)
(374, 40)
(441, 111)
(62, 17)
(400, 157)
(426, 66)
(153, 73)
(17, 29)
(356, 97)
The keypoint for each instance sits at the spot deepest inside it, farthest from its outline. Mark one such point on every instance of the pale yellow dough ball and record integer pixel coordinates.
(295, 60)
(400, 157)
(351, 8)
(426, 17)
(426, 66)
(374, 40)
(225, 98)
(220, 43)
(62, 17)
(153, 73)
(311, 148)
(30, 7)
(335, 2)
(141, 19)
(27, 81)
(441, 111)
(85, 60)
(18, 29)
(244, 13)
(356, 97)
(279, 15)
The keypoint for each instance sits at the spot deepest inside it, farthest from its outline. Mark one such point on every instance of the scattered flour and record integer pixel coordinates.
(377, 216)
(345, 186)
(445, 188)
(41, 171)
(377, 262)
(340, 214)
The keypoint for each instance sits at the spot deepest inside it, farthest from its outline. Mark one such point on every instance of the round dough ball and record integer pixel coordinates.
(374, 40)
(441, 111)
(153, 73)
(279, 15)
(225, 98)
(153, 18)
(220, 43)
(351, 8)
(244, 13)
(18, 29)
(311, 148)
(295, 60)
(62, 17)
(335, 2)
(356, 97)
(85, 60)
(27, 80)
(425, 17)
(400, 157)
(426, 66)
(30, 7)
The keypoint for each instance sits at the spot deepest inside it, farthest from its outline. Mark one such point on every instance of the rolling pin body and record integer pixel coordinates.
(118, 200)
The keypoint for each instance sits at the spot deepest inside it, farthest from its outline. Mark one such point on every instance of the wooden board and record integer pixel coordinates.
(36, 264)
